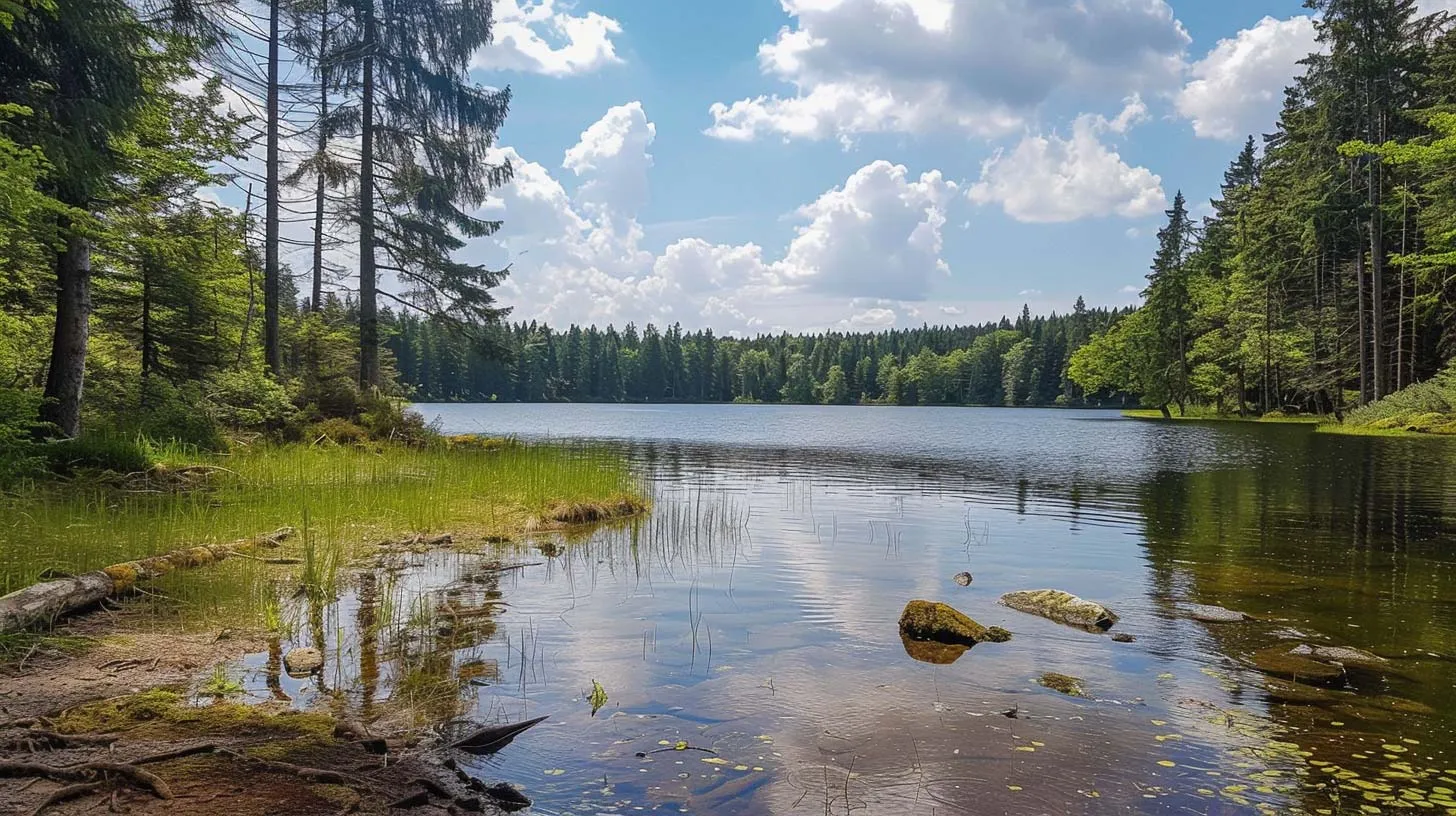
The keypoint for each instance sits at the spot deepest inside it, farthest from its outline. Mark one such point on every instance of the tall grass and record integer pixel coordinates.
(342, 500)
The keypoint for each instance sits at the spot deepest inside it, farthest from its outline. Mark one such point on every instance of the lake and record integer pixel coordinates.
(745, 633)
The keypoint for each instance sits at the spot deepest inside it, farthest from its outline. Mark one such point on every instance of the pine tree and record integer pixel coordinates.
(425, 135)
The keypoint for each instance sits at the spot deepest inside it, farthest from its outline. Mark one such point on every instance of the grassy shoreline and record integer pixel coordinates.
(343, 500)
(1318, 424)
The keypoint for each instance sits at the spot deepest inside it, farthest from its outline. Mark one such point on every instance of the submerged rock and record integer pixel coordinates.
(927, 620)
(963, 578)
(1282, 661)
(303, 661)
(1207, 613)
(1063, 683)
(1123, 637)
(933, 652)
(1344, 655)
(1062, 607)
(996, 634)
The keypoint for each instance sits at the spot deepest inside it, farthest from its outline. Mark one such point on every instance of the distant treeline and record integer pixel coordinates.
(1003, 363)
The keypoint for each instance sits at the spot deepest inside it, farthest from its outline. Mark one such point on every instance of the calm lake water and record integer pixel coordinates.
(754, 612)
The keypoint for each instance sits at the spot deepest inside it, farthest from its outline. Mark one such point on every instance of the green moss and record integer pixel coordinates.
(927, 620)
(996, 634)
(1063, 684)
(165, 714)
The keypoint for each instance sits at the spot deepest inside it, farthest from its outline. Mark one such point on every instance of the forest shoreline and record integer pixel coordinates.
(1321, 425)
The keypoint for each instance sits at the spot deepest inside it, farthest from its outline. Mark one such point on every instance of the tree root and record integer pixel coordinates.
(36, 739)
(68, 793)
(300, 771)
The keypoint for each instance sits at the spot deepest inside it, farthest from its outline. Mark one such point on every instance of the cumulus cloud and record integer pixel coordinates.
(539, 38)
(1238, 88)
(863, 250)
(1050, 179)
(866, 66)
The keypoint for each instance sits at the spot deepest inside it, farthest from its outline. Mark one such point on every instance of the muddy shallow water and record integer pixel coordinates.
(753, 614)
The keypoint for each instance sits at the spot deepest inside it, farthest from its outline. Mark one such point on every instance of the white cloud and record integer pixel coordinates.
(1049, 179)
(952, 311)
(877, 236)
(1433, 6)
(1133, 233)
(539, 39)
(867, 66)
(866, 248)
(1238, 88)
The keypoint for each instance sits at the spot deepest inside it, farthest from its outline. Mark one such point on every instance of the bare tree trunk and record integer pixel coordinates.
(65, 379)
(252, 290)
(368, 307)
(1364, 326)
(272, 354)
(1379, 359)
(148, 346)
(316, 301)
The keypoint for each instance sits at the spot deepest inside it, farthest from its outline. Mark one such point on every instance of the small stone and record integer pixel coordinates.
(303, 661)
(1063, 683)
(963, 578)
(1123, 637)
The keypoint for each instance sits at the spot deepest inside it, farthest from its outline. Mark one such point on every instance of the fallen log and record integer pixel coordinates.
(41, 604)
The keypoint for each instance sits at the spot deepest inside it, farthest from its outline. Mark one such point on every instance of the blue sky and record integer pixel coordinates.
(855, 164)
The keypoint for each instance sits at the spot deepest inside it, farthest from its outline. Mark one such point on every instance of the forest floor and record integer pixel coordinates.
(105, 722)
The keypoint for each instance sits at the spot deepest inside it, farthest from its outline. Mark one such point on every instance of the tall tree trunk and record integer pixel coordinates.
(1379, 359)
(1364, 322)
(271, 351)
(149, 351)
(66, 376)
(315, 302)
(248, 259)
(368, 308)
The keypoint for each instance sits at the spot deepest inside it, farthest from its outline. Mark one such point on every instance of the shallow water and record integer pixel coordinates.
(754, 614)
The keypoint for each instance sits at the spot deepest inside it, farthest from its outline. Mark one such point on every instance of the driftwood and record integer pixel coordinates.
(492, 738)
(41, 604)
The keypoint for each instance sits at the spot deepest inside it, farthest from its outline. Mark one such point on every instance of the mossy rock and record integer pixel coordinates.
(996, 634)
(928, 620)
(1208, 613)
(930, 651)
(1062, 607)
(1063, 684)
(1281, 661)
(1343, 655)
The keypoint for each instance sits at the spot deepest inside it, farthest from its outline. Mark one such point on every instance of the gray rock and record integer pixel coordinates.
(963, 578)
(303, 661)
(1062, 607)
(1208, 613)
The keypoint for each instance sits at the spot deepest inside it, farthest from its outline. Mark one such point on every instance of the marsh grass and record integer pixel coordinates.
(343, 501)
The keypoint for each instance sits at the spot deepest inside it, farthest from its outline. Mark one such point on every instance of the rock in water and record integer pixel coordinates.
(1284, 661)
(927, 620)
(1344, 655)
(303, 661)
(508, 798)
(1062, 607)
(963, 578)
(1123, 637)
(1063, 683)
(1207, 613)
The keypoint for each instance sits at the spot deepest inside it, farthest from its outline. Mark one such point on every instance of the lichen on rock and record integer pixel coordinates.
(1062, 607)
(1063, 684)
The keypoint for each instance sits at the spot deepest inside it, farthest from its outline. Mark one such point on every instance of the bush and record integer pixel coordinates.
(338, 431)
(1425, 404)
(388, 420)
(18, 424)
(96, 451)
(250, 401)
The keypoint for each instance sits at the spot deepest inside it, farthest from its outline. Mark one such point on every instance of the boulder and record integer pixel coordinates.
(963, 578)
(1343, 655)
(1063, 684)
(1062, 607)
(1282, 661)
(928, 620)
(1207, 613)
(303, 661)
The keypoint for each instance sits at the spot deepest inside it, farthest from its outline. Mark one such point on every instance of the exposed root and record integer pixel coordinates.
(68, 793)
(37, 739)
(300, 771)
(87, 772)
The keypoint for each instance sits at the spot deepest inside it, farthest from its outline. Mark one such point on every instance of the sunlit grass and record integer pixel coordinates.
(343, 501)
(1201, 412)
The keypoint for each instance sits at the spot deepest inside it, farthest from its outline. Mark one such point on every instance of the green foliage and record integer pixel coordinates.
(249, 401)
(337, 430)
(1425, 406)
(111, 452)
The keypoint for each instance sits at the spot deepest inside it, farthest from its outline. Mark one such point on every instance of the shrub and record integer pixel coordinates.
(250, 401)
(96, 451)
(389, 420)
(1425, 403)
(18, 424)
(337, 430)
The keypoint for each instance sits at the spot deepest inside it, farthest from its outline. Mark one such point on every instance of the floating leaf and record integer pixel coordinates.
(715, 760)
(1167, 763)
(740, 767)
(554, 772)
(1013, 787)
(598, 697)
(682, 745)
